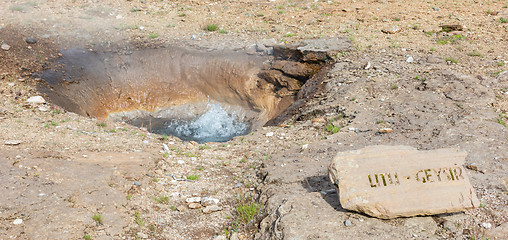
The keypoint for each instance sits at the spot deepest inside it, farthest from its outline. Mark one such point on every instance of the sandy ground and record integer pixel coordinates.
(434, 89)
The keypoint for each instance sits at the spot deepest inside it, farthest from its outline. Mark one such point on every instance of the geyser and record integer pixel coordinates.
(200, 96)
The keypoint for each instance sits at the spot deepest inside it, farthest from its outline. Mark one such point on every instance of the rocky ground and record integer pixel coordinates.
(405, 81)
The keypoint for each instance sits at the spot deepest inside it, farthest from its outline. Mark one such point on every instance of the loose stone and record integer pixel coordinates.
(6, 47)
(36, 100)
(30, 40)
(12, 142)
(208, 201)
(193, 200)
(347, 223)
(194, 205)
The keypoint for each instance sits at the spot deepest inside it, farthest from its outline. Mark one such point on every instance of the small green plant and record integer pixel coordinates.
(139, 219)
(129, 197)
(246, 210)
(331, 127)
(503, 20)
(87, 237)
(193, 177)
(112, 130)
(450, 39)
(432, 49)
(101, 124)
(155, 179)
(202, 147)
(420, 78)
(162, 199)
(135, 9)
(395, 86)
(452, 60)
(56, 111)
(153, 35)
(211, 27)
(222, 31)
(475, 53)
(46, 125)
(290, 35)
(53, 123)
(501, 119)
(500, 63)
(200, 169)
(173, 208)
(181, 15)
(396, 19)
(97, 218)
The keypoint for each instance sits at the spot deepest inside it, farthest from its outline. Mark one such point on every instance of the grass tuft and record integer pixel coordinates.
(211, 27)
(97, 218)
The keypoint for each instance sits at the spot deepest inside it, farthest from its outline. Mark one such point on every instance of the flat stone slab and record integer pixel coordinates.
(400, 181)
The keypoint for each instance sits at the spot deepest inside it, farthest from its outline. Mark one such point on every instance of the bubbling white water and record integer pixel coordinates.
(215, 125)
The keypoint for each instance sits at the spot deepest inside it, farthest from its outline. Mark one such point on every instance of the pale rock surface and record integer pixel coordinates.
(400, 181)
(36, 100)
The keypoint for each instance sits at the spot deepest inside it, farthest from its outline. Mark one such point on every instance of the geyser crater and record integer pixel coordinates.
(193, 95)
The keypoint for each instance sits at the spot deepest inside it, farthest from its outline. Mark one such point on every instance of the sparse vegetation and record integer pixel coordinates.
(211, 27)
(222, 31)
(97, 218)
(475, 53)
(501, 119)
(503, 20)
(246, 211)
(333, 126)
(162, 199)
(452, 60)
(101, 124)
(139, 219)
(204, 146)
(153, 35)
(87, 237)
(450, 39)
(193, 177)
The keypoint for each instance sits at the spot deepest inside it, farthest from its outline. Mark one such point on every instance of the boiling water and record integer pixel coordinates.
(216, 125)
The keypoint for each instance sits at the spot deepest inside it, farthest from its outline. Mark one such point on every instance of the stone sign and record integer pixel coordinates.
(400, 181)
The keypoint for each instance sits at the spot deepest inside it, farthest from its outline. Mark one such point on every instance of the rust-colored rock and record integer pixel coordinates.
(400, 181)
(295, 69)
(279, 79)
